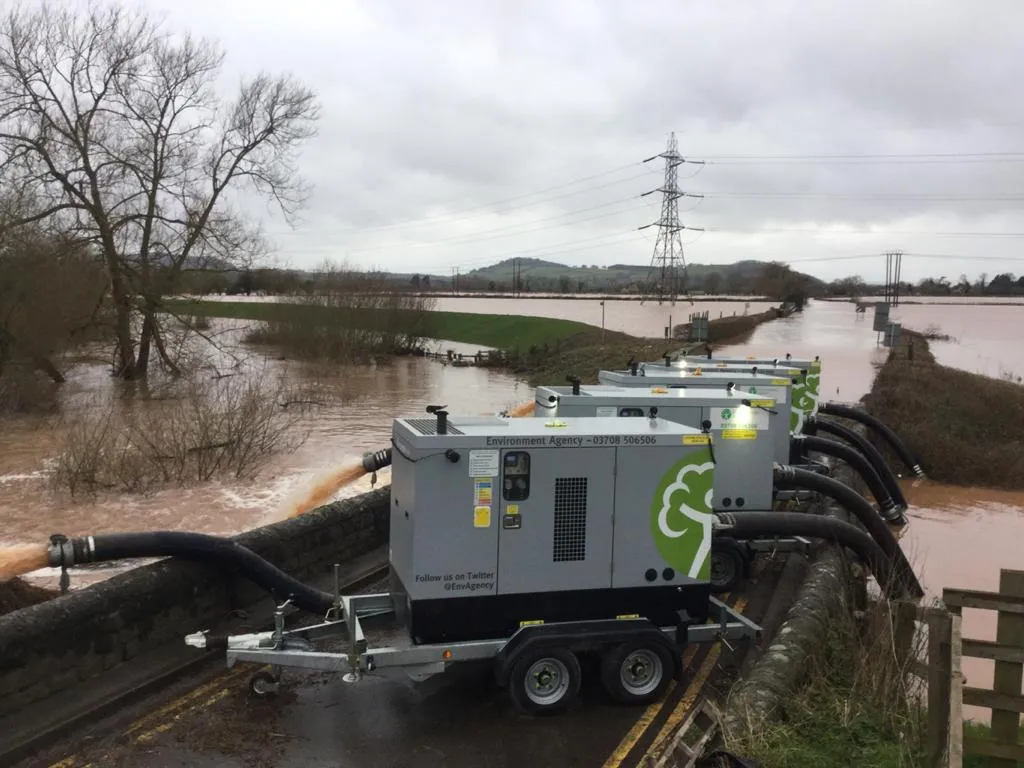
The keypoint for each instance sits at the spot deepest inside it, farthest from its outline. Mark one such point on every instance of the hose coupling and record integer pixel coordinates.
(64, 552)
(377, 460)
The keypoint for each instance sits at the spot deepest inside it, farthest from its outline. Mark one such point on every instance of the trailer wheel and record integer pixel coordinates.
(545, 680)
(637, 672)
(728, 563)
(263, 684)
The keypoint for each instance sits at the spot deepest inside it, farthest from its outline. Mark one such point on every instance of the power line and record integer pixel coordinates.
(859, 256)
(862, 155)
(883, 233)
(495, 207)
(865, 196)
(504, 232)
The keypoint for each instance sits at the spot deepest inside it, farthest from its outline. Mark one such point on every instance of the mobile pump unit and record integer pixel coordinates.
(503, 536)
(804, 390)
(778, 388)
(740, 425)
(525, 543)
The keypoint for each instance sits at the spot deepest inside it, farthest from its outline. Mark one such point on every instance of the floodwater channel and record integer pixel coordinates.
(958, 537)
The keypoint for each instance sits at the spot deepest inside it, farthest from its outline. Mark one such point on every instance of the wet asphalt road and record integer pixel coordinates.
(459, 719)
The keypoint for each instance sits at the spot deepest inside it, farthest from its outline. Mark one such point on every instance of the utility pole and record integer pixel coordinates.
(893, 268)
(668, 258)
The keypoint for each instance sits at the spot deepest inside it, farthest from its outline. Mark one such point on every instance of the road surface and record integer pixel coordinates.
(458, 720)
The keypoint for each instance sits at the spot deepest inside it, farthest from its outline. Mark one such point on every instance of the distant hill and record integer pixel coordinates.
(741, 277)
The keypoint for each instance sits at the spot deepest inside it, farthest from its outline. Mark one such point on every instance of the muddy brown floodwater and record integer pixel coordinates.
(958, 537)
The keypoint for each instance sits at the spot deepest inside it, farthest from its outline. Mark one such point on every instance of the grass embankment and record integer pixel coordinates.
(587, 353)
(965, 428)
(860, 706)
(493, 331)
(544, 349)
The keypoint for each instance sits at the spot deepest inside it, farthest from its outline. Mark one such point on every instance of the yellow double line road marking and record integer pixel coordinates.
(678, 714)
(164, 719)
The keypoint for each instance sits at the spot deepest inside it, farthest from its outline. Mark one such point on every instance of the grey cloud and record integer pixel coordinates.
(434, 108)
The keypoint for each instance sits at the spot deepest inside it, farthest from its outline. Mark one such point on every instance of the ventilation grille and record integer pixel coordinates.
(570, 535)
(429, 426)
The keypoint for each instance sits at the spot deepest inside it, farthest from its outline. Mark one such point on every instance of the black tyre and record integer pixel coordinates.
(638, 671)
(728, 565)
(545, 681)
(262, 684)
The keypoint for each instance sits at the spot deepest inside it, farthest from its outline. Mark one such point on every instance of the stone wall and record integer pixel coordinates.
(52, 648)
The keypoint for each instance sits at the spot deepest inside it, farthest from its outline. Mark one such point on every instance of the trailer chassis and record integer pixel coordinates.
(635, 642)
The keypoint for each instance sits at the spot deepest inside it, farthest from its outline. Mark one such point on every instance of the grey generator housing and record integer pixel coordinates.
(803, 395)
(499, 523)
(742, 434)
(777, 388)
(801, 363)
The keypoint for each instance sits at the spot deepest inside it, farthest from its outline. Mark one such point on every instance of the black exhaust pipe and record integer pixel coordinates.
(853, 502)
(199, 547)
(862, 444)
(752, 525)
(869, 421)
(889, 509)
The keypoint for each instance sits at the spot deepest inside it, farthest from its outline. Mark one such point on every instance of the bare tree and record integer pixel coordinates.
(117, 128)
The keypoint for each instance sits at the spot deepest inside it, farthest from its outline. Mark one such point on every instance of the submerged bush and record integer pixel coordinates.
(226, 427)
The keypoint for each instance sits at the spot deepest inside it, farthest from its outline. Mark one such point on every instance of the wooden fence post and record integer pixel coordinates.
(955, 749)
(1008, 674)
(939, 669)
(904, 630)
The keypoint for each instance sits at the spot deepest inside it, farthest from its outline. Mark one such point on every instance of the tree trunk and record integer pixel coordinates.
(145, 339)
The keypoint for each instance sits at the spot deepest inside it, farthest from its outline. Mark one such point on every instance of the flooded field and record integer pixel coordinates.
(959, 537)
(648, 318)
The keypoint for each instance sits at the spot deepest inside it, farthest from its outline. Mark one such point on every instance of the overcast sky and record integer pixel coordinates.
(458, 133)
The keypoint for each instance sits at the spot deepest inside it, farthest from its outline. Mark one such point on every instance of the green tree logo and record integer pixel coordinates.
(681, 515)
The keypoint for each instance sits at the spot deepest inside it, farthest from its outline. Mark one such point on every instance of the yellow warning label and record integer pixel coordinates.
(794, 371)
(628, 616)
(739, 434)
(482, 517)
(530, 622)
(781, 381)
(659, 390)
(512, 509)
(721, 365)
(762, 403)
(696, 439)
(556, 423)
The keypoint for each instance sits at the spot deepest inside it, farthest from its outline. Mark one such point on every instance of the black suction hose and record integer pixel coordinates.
(865, 418)
(869, 452)
(752, 525)
(853, 502)
(214, 550)
(890, 510)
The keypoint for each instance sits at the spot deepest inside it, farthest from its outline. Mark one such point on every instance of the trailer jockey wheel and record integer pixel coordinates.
(638, 671)
(545, 680)
(263, 684)
(728, 564)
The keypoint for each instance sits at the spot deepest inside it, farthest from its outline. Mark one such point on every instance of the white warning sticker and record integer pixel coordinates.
(739, 417)
(607, 410)
(484, 463)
